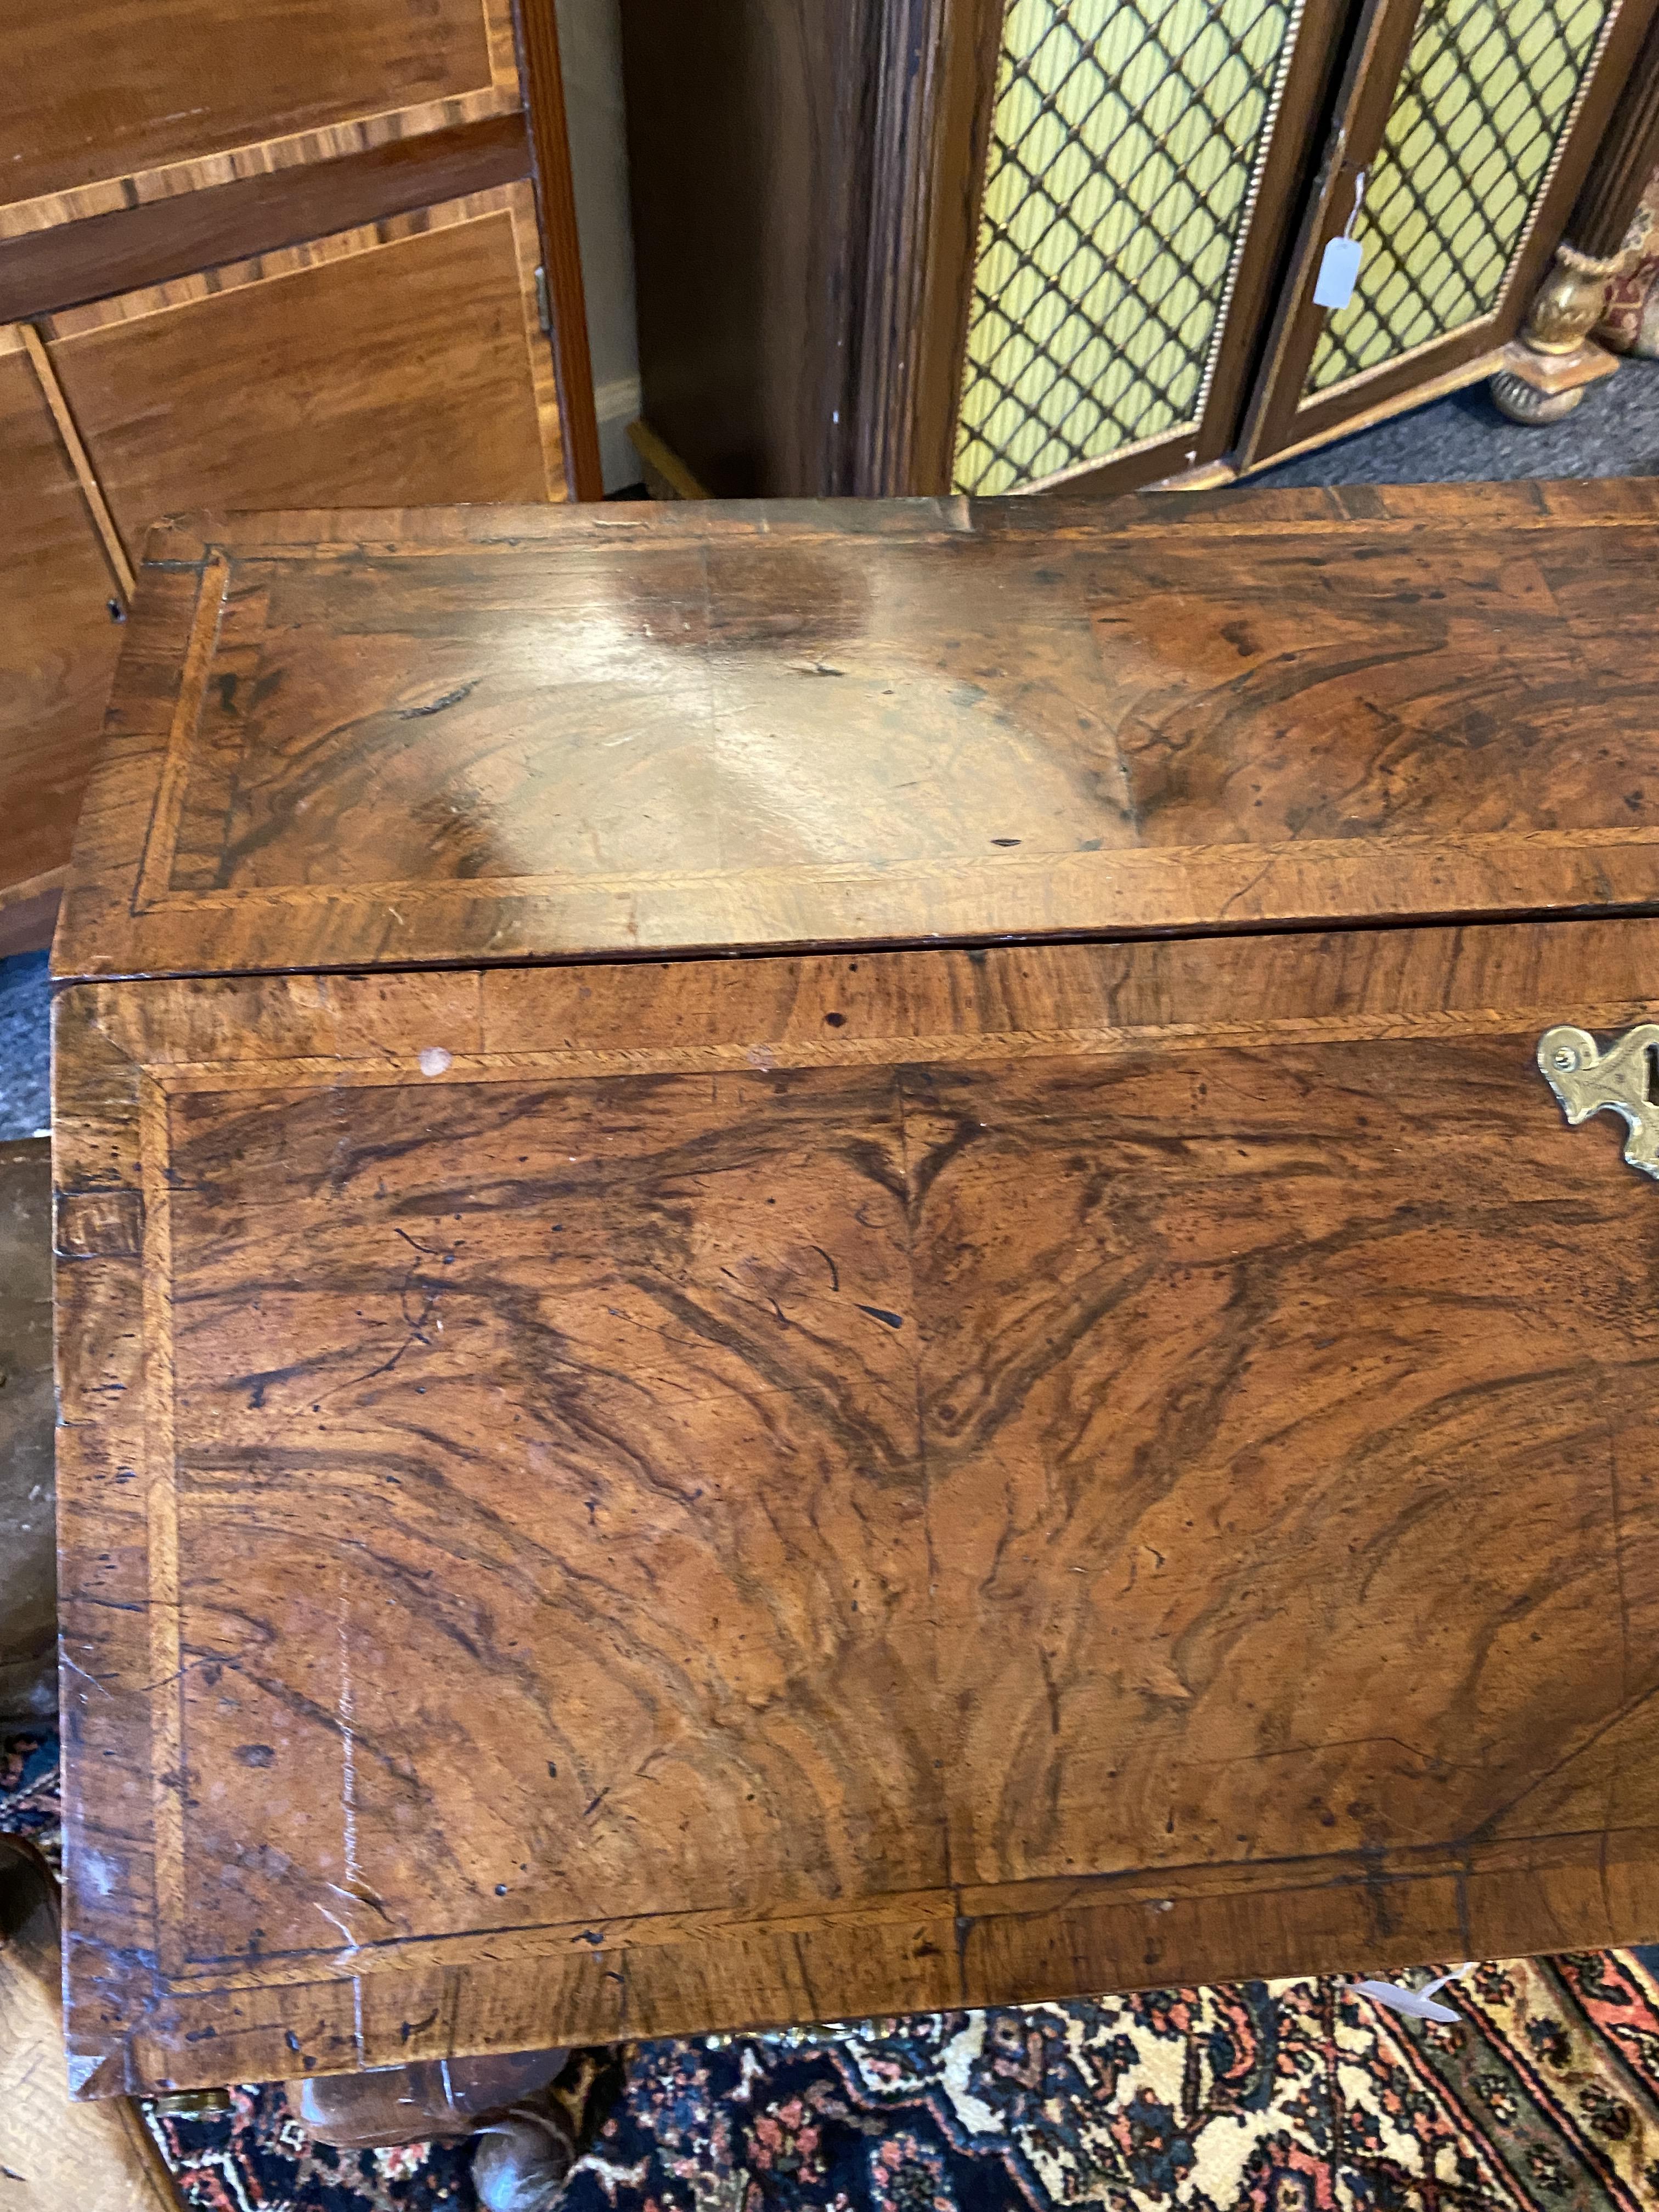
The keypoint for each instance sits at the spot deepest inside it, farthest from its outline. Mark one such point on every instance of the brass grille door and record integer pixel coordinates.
(1471, 124)
(1142, 163)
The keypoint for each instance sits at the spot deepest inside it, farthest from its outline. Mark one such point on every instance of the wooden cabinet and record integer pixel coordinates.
(993, 246)
(313, 254)
(1079, 1417)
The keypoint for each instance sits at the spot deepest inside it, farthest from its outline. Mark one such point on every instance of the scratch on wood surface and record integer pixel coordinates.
(350, 1941)
(437, 705)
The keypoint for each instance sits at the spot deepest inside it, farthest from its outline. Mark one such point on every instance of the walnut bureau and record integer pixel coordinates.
(817, 1261)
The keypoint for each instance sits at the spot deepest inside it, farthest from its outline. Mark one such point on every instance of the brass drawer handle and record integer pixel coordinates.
(1586, 1079)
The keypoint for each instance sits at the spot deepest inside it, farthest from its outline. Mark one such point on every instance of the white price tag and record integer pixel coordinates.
(1339, 265)
(1339, 273)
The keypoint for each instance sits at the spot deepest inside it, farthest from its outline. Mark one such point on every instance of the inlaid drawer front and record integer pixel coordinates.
(640, 1499)
(401, 359)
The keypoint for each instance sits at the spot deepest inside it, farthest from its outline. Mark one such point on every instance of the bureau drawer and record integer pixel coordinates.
(649, 1497)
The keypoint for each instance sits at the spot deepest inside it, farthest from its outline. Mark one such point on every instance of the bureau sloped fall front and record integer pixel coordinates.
(1078, 1415)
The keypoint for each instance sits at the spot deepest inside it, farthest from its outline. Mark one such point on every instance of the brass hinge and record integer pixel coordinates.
(544, 304)
(1586, 1080)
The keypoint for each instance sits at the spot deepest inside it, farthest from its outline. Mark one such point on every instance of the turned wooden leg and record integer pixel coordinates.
(522, 2158)
(436, 2099)
(1548, 369)
(525, 2139)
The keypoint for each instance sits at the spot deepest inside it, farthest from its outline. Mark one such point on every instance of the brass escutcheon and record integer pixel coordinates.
(1586, 1080)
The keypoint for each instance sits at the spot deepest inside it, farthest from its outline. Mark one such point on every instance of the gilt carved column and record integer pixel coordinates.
(1550, 366)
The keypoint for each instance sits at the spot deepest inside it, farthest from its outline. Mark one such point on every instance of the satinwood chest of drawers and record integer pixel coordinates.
(824, 1260)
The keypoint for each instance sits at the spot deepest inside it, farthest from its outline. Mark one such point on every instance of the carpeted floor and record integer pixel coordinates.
(1614, 432)
(24, 1089)
(1300, 2096)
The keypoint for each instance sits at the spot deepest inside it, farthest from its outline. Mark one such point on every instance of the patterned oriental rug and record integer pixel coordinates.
(1296, 2096)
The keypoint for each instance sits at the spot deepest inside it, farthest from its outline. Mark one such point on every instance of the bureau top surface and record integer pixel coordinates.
(346, 739)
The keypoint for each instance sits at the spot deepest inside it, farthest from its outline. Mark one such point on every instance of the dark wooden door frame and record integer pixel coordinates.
(1277, 420)
(932, 64)
(537, 33)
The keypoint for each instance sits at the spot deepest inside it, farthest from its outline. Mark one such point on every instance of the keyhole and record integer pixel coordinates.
(117, 613)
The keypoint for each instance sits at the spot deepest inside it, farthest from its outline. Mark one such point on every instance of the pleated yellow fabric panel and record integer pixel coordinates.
(1488, 91)
(1125, 145)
